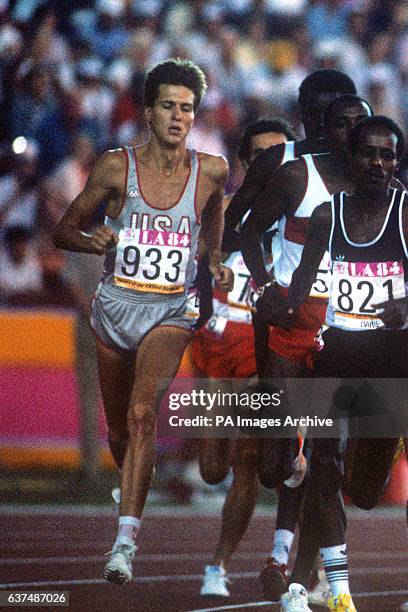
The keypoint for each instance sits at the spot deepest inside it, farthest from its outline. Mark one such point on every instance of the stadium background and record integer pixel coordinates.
(71, 78)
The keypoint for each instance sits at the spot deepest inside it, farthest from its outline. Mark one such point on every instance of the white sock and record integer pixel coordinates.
(282, 544)
(334, 559)
(128, 528)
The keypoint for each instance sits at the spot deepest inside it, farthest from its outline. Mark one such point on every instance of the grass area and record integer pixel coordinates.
(55, 487)
(63, 487)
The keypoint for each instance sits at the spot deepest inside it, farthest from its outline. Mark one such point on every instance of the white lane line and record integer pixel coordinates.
(189, 578)
(205, 510)
(140, 557)
(249, 604)
(259, 604)
(137, 579)
(163, 557)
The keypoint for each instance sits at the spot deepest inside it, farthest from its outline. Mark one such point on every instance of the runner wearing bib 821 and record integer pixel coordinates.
(365, 274)
(366, 233)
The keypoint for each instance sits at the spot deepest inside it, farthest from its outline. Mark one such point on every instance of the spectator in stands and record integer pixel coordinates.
(20, 268)
(70, 176)
(32, 273)
(19, 187)
(31, 103)
(107, 35)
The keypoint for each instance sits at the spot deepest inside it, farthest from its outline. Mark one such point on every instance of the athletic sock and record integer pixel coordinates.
(282, 544)
(128, 528)
(334, 560)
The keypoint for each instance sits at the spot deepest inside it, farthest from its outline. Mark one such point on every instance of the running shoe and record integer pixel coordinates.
(295, 600)
(321, 593)
(273, 579)
(116, 495)
(119, 568)
(404, 607)
(214, 582)
(341, 603)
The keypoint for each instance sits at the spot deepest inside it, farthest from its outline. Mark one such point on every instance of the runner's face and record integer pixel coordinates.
(261, 142)
(341, 124)
(375, 159)
(313, 113)
(172, 114)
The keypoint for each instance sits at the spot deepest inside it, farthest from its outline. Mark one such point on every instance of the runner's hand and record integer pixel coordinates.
(273, 308)
(223, 276)
(103, 239)
(393, 313)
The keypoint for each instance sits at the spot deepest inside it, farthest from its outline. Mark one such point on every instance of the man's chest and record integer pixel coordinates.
(163, 191)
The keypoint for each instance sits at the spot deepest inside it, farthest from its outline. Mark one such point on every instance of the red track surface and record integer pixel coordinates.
(64, 551)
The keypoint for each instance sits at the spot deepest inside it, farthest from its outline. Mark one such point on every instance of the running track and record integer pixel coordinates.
(64, 550)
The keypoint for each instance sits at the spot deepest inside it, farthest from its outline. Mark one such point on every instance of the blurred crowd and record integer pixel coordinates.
(71, 82)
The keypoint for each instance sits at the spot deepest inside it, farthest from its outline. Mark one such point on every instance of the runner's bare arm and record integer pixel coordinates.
(255, 181)
(283, 193)
(317, 241)
(104, 185)
(212, 220)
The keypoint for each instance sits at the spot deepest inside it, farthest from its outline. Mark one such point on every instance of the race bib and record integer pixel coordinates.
(357, 286)
(152, 261)
(321, 286)
(239, 297)
(216, 325)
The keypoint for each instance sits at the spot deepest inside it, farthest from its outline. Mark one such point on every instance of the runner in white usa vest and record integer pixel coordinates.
(367, 236)
(157, 198)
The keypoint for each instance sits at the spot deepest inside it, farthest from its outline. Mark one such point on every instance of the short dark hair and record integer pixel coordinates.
(325, 81)
(377, 121)
(346, 100)
(262, 126)
(174, 71)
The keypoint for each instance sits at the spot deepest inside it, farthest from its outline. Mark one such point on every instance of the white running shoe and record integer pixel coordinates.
(404, 607)
(295, 600)
(214, 582)
(320, 595)
(119, 568)
(116, 495)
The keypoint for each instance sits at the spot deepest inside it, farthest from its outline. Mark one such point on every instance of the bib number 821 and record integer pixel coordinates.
(346, 303)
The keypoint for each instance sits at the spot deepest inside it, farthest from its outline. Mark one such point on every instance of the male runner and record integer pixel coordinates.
(158, 198)
(292, 194)
(366, 235)
(224, 348)
(317, 91)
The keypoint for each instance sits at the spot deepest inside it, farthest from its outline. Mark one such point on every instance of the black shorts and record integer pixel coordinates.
(369, 354)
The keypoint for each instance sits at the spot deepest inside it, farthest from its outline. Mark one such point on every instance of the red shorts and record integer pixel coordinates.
(231, 355)
(297, 343)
